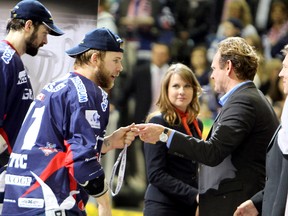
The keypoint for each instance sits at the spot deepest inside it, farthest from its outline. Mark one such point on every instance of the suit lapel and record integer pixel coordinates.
(246, 85)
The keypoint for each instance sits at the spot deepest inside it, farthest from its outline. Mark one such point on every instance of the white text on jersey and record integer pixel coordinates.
(18, 160)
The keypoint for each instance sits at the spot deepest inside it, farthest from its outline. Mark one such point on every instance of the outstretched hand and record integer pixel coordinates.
(149, 132)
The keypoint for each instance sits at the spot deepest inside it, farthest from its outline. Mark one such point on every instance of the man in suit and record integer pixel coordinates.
(144, 84)
(271, 201)
(233, 155)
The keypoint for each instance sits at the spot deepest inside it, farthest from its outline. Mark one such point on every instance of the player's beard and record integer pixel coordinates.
(31, 48)
(103, 77)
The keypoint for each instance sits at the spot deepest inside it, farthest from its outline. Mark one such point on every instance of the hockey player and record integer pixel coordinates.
(27, 31)
(55, 164)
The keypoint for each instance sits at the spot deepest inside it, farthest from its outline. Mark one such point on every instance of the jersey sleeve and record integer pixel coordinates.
(4, 77)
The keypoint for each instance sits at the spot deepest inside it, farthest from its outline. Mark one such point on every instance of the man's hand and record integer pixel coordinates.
(150, 132)
(247, 208)
(120, 137)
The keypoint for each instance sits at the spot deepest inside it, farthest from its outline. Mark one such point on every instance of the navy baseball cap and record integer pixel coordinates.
(99, 39)
(35, 11)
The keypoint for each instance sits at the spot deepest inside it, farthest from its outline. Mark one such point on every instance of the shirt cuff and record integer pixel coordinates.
(170, 138)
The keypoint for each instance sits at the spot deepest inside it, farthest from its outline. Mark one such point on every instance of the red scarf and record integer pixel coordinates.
(184, 117)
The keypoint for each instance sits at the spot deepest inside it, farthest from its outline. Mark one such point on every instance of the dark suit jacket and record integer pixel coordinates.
(272, 200)
(172, 180)
(242, 130)
(138, 87)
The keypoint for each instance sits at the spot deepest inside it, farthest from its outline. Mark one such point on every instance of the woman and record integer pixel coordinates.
(172, 188)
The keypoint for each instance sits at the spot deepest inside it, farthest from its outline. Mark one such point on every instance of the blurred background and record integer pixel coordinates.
(191, 29)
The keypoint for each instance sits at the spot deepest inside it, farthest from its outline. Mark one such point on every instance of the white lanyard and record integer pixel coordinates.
(122, 157)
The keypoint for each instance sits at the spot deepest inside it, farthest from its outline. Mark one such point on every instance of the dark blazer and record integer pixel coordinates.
(138, 87)
(242, 131)
(272, 200)
(172, 180)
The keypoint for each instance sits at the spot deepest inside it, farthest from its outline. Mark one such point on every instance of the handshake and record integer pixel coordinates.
(149, 132)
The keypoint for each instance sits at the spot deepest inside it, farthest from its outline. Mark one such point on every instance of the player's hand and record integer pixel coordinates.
(247, 208)
(120, 137)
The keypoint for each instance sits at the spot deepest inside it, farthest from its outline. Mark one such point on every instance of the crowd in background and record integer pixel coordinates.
(158, 33)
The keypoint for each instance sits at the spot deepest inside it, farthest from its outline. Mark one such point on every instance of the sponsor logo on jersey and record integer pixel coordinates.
(22, 77)
(27, 94)
(17, 180)
(93, 117)
(7, 55)
(18, 160)
(81, 90)
(48, 149)
(30, 203)
(10, 200)
(104, 103)
(92, 158)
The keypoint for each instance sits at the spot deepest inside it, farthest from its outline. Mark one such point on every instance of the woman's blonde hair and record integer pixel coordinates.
(164, 104)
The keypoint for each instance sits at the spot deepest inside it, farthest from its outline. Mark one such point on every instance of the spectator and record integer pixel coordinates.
(105, 18)
(277, 30)
(275, 92)
(143, 86)
(200, 65)
(232, 28)
(261, 78)
(136, 21)
(192, 28)
(138, 98)
(239, 9)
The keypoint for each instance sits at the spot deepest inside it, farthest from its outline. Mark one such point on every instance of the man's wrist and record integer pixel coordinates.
(163, 137)
(107, 145)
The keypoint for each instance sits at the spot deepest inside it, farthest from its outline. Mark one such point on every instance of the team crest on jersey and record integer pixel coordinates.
(54, 87)
(49, 149)
(7, 55)
(93, 117)
(40, 97)
(22, 78)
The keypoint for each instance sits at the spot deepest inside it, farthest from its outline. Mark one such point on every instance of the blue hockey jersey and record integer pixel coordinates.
(16, 95)
(58, 147)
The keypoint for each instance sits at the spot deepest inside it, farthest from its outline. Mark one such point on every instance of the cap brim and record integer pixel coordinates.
(76, 50)
(55, 31)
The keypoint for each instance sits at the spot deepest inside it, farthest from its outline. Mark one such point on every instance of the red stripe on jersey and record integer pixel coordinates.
(55, 164)
(70, 167)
